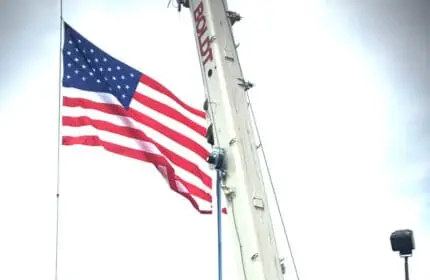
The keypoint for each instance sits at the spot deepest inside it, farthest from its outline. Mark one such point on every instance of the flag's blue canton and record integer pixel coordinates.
(87, 67)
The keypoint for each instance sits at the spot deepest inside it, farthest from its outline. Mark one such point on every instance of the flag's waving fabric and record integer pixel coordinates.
(109, 104)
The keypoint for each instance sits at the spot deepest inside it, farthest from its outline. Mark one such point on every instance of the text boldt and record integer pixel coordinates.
(202, 34)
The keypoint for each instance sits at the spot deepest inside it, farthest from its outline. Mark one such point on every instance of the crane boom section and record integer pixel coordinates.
(233, 131)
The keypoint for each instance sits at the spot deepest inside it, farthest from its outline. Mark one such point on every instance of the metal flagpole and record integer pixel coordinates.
(59, 142)
(219, 220)
(216, 161)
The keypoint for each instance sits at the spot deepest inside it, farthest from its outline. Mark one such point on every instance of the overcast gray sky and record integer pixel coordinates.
(341, 100)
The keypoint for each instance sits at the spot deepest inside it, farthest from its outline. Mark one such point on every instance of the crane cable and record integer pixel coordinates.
(260, 146)
(266, 164)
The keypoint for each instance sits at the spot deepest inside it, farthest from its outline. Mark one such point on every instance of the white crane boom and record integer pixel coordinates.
(233, 131)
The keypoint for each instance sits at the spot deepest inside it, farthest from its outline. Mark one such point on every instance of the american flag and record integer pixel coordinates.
(109, 104)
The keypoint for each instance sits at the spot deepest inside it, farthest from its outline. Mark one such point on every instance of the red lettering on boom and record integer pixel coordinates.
(201, 30)
(198, 12)
(201, 26)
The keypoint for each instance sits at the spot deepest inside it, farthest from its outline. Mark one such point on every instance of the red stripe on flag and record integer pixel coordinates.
(170, 112)
(118, 110)
(162, 89)
(143, 156)
(134, 133)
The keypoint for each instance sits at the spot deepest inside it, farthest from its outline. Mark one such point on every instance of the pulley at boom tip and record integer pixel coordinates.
(185, 3)
(232, 16)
